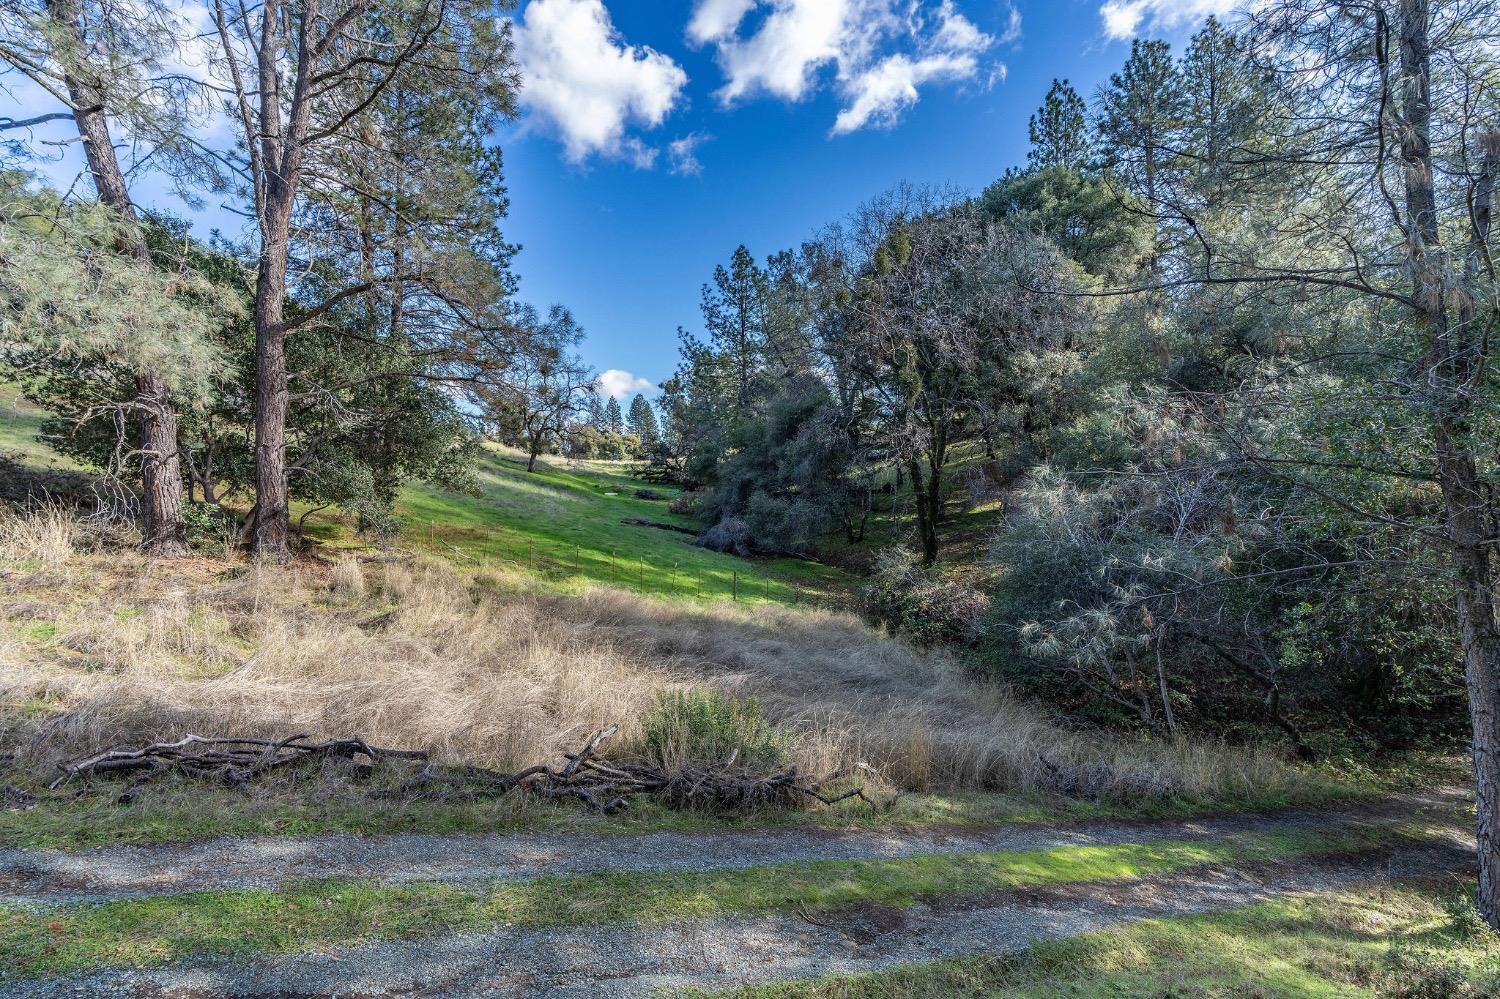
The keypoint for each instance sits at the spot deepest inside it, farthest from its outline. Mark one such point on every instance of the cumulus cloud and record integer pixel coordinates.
(591, 85)
(1125, 18)
(879, 94)
(622, 384)
(716, 19)
(682, 155)
(880, 51)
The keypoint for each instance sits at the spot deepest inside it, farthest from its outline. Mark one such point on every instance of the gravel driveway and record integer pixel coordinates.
(31, 877)
(619, 961)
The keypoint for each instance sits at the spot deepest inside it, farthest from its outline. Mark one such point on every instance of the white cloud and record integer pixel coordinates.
(881, 51)
(1124, 18)
(1012, 32)
(682, 154)
(716, 19)
(878, 94)
(621, 384)
(796, 39)
(591, 85)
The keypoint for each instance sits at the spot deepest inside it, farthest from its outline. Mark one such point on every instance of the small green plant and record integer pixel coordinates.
(1464, 920)
(699, 727)
(209, 526)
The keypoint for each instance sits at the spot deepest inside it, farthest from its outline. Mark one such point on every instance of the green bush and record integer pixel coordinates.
(697, 727)
(208, 525)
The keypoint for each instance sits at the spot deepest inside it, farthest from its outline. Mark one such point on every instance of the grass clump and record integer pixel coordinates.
(702, 727)
(45, 538)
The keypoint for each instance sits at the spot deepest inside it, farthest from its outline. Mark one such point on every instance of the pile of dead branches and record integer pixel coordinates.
(608, 786)
(234, 762)
(602, 784)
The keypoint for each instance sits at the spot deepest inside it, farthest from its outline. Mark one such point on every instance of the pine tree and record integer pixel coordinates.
(303, 73)
(734, 312)
(642, 421)
(595, 415)
(1140, 112)
(1059, 130)
(614, 420)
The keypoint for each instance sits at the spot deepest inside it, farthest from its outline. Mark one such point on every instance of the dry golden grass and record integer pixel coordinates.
(46, 537)
(107, 647)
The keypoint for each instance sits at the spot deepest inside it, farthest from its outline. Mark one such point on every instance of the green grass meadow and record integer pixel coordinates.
(562, 524)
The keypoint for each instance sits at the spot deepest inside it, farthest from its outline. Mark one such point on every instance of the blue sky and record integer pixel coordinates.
(792, 113)
(657, 135)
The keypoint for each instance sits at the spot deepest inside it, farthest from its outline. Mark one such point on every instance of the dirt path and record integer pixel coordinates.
(619, 961)
(40, 877)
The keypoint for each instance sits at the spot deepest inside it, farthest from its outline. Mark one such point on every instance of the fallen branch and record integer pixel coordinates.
(642, 522)
(227, 761)
(606, 786)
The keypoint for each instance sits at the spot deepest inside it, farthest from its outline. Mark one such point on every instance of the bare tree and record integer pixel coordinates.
(546, 386)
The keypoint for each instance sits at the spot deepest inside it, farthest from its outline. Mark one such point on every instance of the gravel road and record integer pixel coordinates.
(619, 961)
(42, 877)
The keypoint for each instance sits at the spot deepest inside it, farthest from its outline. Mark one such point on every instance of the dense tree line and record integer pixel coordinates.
(1217, 354)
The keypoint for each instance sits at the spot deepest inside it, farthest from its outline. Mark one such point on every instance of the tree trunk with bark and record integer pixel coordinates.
(270, 530)
(1449, 369)
(163, 530)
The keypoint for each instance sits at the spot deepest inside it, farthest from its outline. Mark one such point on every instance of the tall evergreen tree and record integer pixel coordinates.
(1059, 130)
(642, 421)
(304, 75)
(106, 66)
(1140, 112)
(614, 420)
(734, 315)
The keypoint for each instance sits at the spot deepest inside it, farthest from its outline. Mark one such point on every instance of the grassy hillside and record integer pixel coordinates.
(567, 523)
(564, 523)
(20, 424)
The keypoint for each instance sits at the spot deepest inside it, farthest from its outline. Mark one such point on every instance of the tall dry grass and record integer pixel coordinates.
(473, 668)
(44, 538)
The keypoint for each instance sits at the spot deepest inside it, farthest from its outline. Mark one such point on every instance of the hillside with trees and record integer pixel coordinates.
(990, 545)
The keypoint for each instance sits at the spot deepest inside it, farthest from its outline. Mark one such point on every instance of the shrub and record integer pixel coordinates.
(696, 727)
(786, 525)
(1420, 974)
(922, 604)
(685, 504)
(730, 535)
(210, 528)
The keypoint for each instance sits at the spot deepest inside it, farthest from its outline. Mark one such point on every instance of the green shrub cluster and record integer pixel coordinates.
(698, 727)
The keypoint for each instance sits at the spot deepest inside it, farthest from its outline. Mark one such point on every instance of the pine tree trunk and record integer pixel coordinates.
(163, 530)
(1449, 368)
(1479, 631)
(272, 510)
(164, 533)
